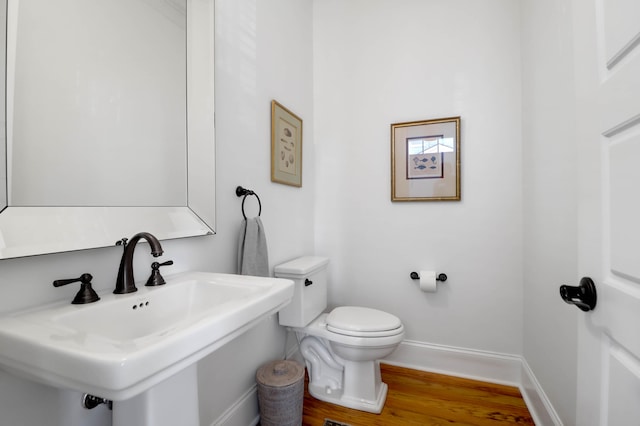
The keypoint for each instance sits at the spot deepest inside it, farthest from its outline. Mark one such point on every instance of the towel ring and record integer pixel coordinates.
(240, 191)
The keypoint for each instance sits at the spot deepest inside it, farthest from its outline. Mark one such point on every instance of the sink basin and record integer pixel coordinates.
(123, 345)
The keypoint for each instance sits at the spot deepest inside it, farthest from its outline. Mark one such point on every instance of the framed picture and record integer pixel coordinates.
(286, 146)
(425, 160)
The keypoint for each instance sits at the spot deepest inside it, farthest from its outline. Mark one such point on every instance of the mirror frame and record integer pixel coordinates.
(29, 231)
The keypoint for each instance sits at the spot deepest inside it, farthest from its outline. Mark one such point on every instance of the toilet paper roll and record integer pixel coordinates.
(428, 281)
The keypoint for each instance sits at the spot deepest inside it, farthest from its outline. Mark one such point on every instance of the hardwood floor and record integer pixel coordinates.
(428, 399)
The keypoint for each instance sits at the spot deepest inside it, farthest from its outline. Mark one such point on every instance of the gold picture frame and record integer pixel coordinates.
(286, 146)
(425, 160)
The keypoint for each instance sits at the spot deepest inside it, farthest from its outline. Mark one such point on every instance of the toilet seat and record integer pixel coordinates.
(363, 322)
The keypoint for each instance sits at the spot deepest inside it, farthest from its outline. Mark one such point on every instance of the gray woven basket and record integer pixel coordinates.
(280, 393)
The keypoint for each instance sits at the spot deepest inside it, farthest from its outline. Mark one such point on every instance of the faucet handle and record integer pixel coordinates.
(155, 278)
(86, 294)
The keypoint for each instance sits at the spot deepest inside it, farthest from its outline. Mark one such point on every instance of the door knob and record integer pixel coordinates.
(583, 296)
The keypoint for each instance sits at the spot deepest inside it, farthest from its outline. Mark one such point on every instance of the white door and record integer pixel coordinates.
(607, 69)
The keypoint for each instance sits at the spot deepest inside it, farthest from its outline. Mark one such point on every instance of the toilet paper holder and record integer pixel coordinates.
(440, 277)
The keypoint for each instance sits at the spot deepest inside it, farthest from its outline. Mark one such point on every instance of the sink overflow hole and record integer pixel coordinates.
(140, 305)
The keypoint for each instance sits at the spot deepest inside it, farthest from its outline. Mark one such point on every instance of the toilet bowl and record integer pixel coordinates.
(341, 348)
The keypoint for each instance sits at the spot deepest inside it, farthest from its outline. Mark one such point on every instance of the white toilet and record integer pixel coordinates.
(341, 348)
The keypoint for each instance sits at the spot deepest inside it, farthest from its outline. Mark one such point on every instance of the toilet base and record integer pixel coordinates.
(335, 396)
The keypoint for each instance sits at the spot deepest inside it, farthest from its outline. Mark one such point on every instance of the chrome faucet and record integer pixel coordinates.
(125, 282)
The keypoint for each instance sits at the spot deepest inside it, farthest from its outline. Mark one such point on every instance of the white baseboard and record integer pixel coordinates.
(537, 401)
(489, 367)
(244, 412)
(467, 363)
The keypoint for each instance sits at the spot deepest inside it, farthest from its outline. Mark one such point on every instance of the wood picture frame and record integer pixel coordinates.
(286, 146)
(425, 160)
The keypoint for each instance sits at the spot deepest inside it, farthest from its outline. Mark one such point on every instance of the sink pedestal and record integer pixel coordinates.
(169, 403)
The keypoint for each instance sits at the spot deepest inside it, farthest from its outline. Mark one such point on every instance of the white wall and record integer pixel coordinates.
(253, 41)
(550, 194)
(379, 62)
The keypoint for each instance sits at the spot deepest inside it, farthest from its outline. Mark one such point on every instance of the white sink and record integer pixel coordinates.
(123, 345)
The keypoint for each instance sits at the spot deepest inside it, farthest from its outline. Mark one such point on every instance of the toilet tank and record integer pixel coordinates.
(309, 274)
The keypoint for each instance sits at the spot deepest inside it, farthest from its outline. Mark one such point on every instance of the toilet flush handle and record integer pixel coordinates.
(307, 282)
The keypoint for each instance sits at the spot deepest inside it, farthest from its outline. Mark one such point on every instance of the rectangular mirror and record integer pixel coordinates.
(97, 96)
(101, 97)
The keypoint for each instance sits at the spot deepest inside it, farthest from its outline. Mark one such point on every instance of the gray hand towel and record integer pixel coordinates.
(253, 258)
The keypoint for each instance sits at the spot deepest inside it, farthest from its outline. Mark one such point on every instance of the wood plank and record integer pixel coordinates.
(429, 399)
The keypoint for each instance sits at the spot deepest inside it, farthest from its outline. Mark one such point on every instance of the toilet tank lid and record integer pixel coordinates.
(301, 266)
